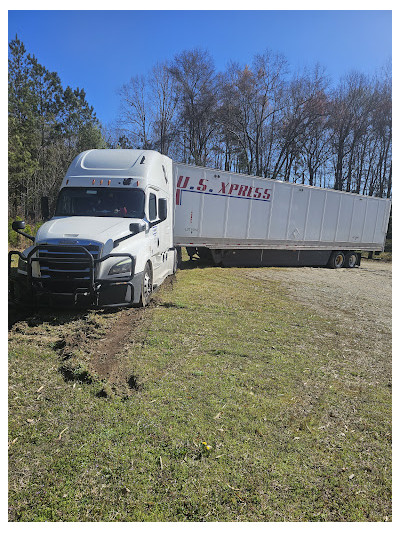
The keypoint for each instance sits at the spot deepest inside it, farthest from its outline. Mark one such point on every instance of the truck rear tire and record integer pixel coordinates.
(336, 259)
(147, 286)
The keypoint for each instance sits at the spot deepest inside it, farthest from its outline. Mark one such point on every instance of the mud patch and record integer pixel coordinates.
(75, 374)
(97, 349)
(94, 351)
(109, 360)
(94, 347)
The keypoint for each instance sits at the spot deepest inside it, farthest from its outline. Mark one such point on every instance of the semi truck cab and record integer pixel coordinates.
(110, 242)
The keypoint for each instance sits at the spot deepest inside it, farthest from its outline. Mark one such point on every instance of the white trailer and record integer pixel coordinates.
(248, 220)
(122, 217)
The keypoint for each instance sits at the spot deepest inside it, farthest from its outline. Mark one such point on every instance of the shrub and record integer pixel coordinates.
(16, 240)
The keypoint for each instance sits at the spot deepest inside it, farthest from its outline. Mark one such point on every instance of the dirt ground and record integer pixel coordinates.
(363, 293)
(89, 345)
(359, 300)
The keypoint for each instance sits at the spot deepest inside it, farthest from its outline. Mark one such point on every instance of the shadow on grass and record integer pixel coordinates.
(170, 305)
(196, 263)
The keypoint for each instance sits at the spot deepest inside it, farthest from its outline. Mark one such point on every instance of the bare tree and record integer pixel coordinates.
(164, 99)
(255, 119)
(134, 112)
(314, 140)
(382, 132)
(348, 122)
(252, 98)
(194, 73)
(300, 132)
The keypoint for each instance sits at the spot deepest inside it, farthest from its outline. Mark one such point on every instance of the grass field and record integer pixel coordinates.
(238, 405)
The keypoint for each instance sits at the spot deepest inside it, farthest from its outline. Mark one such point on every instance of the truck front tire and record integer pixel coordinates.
(147, 286)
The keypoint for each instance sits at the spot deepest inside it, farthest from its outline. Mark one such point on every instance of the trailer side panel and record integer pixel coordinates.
(224, 210)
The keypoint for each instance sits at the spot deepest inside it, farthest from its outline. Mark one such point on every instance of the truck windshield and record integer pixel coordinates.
(100, 202)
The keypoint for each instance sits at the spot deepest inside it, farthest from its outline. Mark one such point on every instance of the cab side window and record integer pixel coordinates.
(152, 207)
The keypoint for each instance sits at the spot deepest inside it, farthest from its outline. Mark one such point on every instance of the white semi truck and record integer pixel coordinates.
(122, 217)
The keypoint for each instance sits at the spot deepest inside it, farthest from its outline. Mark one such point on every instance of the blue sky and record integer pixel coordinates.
(100, 50)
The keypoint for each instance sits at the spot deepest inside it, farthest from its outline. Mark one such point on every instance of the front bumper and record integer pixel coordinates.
(68, 291)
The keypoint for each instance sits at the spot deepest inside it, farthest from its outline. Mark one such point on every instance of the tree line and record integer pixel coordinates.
(47, 127)
(258, 119)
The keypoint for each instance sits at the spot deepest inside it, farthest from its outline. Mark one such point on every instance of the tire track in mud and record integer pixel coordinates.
(95, 352)
(91, 345)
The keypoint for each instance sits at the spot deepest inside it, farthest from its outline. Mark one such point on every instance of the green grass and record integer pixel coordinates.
(297, 432)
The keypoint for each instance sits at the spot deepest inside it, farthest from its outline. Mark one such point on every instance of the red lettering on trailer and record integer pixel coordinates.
(266, 194)
(257, 192)
(185, 183)
(202, 185)
(236, 189)
(233, 187)
(223, 188)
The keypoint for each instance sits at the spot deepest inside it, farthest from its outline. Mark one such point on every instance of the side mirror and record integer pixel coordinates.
(137, 227)
(44, 204)
(18, 225)
(162, 209)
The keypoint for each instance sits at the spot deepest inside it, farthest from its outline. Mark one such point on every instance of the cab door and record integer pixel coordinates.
(154, 235)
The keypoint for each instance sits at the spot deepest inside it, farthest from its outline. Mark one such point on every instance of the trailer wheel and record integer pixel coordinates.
(336, 260)
(350, 260)
(147, 286)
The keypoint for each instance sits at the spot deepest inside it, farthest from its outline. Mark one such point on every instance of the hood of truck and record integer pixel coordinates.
(100, 229)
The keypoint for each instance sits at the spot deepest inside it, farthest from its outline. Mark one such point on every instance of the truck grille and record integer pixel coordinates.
(58, 263)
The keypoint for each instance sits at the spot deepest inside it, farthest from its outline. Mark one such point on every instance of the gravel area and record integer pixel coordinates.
(364, 292)
(358, 301)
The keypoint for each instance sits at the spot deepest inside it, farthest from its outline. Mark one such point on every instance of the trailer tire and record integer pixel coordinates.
(350, 260)
(147, 286)
(336, 259)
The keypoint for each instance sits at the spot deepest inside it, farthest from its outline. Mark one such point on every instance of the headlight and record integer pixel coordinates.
(123, 267)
